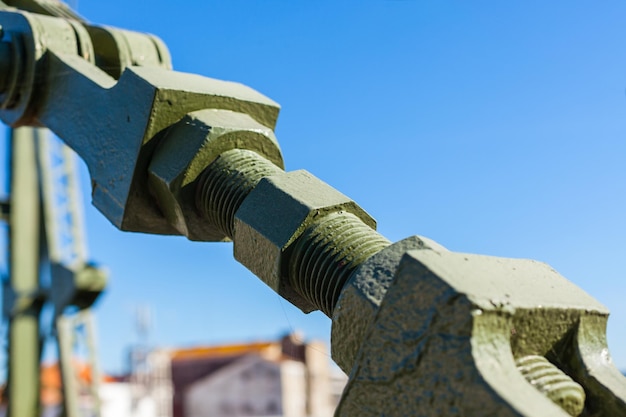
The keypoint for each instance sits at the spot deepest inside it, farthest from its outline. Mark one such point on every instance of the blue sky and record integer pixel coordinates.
(491, 127)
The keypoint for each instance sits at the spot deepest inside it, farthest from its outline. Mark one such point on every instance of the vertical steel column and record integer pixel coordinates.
(67, 254)
(24, 234)
(65, 336)
(45, 219)
(87, 319)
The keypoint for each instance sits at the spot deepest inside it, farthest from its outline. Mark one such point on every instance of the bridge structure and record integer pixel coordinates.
(51, 283)
(420, 330)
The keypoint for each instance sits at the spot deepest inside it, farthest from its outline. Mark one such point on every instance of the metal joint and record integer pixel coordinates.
(16, 303)
(79, 288)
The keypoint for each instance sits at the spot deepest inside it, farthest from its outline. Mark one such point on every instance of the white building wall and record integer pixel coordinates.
(160, 382)
(116, 401)
(294, 388)
(320, 401)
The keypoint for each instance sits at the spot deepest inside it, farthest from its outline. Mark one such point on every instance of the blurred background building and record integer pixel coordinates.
(285, 377)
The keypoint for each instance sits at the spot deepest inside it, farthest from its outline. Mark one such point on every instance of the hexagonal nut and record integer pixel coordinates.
(362, 295)
(274, 215)
(143, 105)
(187, 148)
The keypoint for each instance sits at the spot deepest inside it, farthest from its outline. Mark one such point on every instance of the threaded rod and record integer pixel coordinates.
(327, 253)
(553, 382)
(323, 257)
(225, 184)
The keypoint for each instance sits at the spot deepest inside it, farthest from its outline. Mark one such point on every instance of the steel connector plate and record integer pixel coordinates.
(462, 335)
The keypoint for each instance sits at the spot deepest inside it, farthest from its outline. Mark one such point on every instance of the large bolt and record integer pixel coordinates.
(303, 238)
(217, 175)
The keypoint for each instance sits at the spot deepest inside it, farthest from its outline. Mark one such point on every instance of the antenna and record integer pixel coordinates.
(144, 321)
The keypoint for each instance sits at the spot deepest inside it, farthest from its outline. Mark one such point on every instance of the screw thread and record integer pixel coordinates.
(226, 182)
(553, 382)
(327, 253)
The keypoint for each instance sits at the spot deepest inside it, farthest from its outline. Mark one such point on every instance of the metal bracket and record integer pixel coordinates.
(458, 334)
(113, 123)
(76, 288)
(15, 303)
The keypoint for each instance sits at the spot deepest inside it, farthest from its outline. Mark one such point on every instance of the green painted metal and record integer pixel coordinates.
(74, 282)
(45, 7)
(65, 330)
(450, 327)
(62, 203)
(188, 147)
(79, 287)
(23, 310)
(300, 201)
(420, 330)
(104, 119)
(44, 198)
(553, 383)
(68, 340)
(362, 295)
